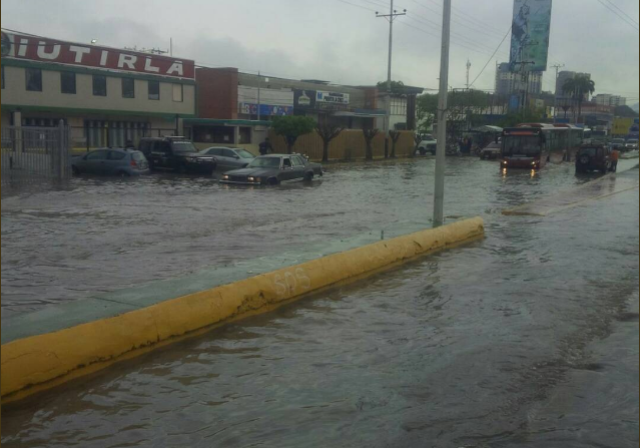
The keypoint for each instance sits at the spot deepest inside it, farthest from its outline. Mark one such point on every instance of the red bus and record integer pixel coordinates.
(524, 148)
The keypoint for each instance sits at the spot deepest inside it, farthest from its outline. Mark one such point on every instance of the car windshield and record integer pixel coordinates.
(184, 147)
(265, 162)
(591, 152)
(528, 146)
(244, 154)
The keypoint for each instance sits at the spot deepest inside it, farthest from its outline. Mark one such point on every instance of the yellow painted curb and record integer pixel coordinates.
(41, 362)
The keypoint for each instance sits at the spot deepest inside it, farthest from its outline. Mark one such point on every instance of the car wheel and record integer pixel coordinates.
(423, 152)
(308, 177)
(273, 181)
(75, 170)
(124, 174)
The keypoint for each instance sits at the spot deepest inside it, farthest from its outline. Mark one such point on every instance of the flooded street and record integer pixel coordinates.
(504, 343)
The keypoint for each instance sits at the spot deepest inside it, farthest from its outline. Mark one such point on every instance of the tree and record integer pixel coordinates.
(369, 135)
(579, 87)
(292, 127)
(327, 132)
(515, 118)
(397, 87)
(626, 112)
(395, 136)
(426, 108)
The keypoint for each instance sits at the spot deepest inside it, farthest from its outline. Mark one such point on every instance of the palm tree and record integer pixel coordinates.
(578, 88)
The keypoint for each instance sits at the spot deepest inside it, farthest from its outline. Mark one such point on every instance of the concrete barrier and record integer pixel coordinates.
(42, 362)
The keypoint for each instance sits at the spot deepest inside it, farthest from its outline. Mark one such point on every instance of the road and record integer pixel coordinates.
(503, 343)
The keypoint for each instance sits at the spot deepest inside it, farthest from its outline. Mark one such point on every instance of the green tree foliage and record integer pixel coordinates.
(513, 119)
(292, 127)
(397, 87)
(579, 87)
(626, 112)
(463, 106)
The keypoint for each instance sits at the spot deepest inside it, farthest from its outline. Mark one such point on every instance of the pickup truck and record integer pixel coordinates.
(176, 154)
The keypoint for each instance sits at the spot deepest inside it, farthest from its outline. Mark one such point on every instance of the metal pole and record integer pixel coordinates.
(259, 95)
(438, 203)
(388, 121)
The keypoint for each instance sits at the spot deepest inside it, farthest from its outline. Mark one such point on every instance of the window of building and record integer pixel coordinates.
(68, 82)
(154, 90)
(178, 94)
(33, 79)
(245, 136)
(99, 85)
(128, 88)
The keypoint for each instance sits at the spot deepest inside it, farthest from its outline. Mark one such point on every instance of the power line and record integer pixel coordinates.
(492, 56)
(625, 20)
(627, 15)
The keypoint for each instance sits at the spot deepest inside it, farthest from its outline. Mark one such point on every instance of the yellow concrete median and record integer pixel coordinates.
(41, 362)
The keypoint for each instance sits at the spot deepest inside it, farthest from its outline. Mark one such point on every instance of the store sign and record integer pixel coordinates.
(332, 97)
(266, 110)
(304, 99)
(49, 50)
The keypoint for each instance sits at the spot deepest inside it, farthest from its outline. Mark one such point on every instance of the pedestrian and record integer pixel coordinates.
(265, 147)
(615, 156)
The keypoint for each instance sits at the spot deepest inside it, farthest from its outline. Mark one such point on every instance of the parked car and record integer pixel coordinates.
(631, 145)
(111, 162)
(229, 158)
(492, 151)
(593, 158)
(428, 144)
(177, 154)
(274, 169)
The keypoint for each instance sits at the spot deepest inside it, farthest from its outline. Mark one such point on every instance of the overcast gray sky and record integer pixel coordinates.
(341, 42)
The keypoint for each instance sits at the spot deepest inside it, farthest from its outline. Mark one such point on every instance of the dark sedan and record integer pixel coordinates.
(273, 170)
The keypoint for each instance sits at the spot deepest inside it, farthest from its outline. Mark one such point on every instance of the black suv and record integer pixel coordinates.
(177, 154)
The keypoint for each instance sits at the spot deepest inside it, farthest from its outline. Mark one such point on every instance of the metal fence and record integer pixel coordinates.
(35, 155)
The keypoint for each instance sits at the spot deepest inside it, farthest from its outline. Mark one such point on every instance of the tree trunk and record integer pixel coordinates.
(325, 151)
(369, 151)
(393, 148)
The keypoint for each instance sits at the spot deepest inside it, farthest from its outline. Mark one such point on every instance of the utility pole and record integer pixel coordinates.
(468, 74)
(391, 17)
(438, 202)
(259, 96)
(555, 96)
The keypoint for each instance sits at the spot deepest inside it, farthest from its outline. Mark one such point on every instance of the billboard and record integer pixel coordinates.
(624, 126)
(43, 49)
(266, 110)
(530, 35)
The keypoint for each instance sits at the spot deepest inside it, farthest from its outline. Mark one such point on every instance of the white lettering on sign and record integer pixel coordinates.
(42, 51)
(292, 283)
(176, 68)
(103, 57)
(22, 50)
(128, 60)
(80, 52)
(150, 68)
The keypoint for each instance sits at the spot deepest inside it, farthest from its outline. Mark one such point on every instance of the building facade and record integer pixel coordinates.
(510, 83)
(605, 99)
(105, 95)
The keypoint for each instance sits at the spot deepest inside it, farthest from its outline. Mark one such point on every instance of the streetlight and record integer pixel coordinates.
(94, 41)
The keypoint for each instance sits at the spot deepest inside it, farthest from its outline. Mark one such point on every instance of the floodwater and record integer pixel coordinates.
(507, 342)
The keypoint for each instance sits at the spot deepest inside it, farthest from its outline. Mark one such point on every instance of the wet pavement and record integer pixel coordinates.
(508, 342)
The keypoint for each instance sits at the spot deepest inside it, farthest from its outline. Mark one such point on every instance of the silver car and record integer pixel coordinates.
(229, 158)
(111, 162)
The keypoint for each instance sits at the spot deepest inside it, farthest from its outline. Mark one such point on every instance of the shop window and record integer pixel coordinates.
(33, 79)
(99, 85)
(154, 90)
(68, 83)
(178, 94)
(128, 88)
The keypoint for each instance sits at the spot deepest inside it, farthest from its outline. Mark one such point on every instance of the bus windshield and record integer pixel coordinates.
(526, 146)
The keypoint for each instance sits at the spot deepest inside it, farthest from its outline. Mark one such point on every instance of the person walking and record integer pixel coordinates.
(265, 147)
(615, 156)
